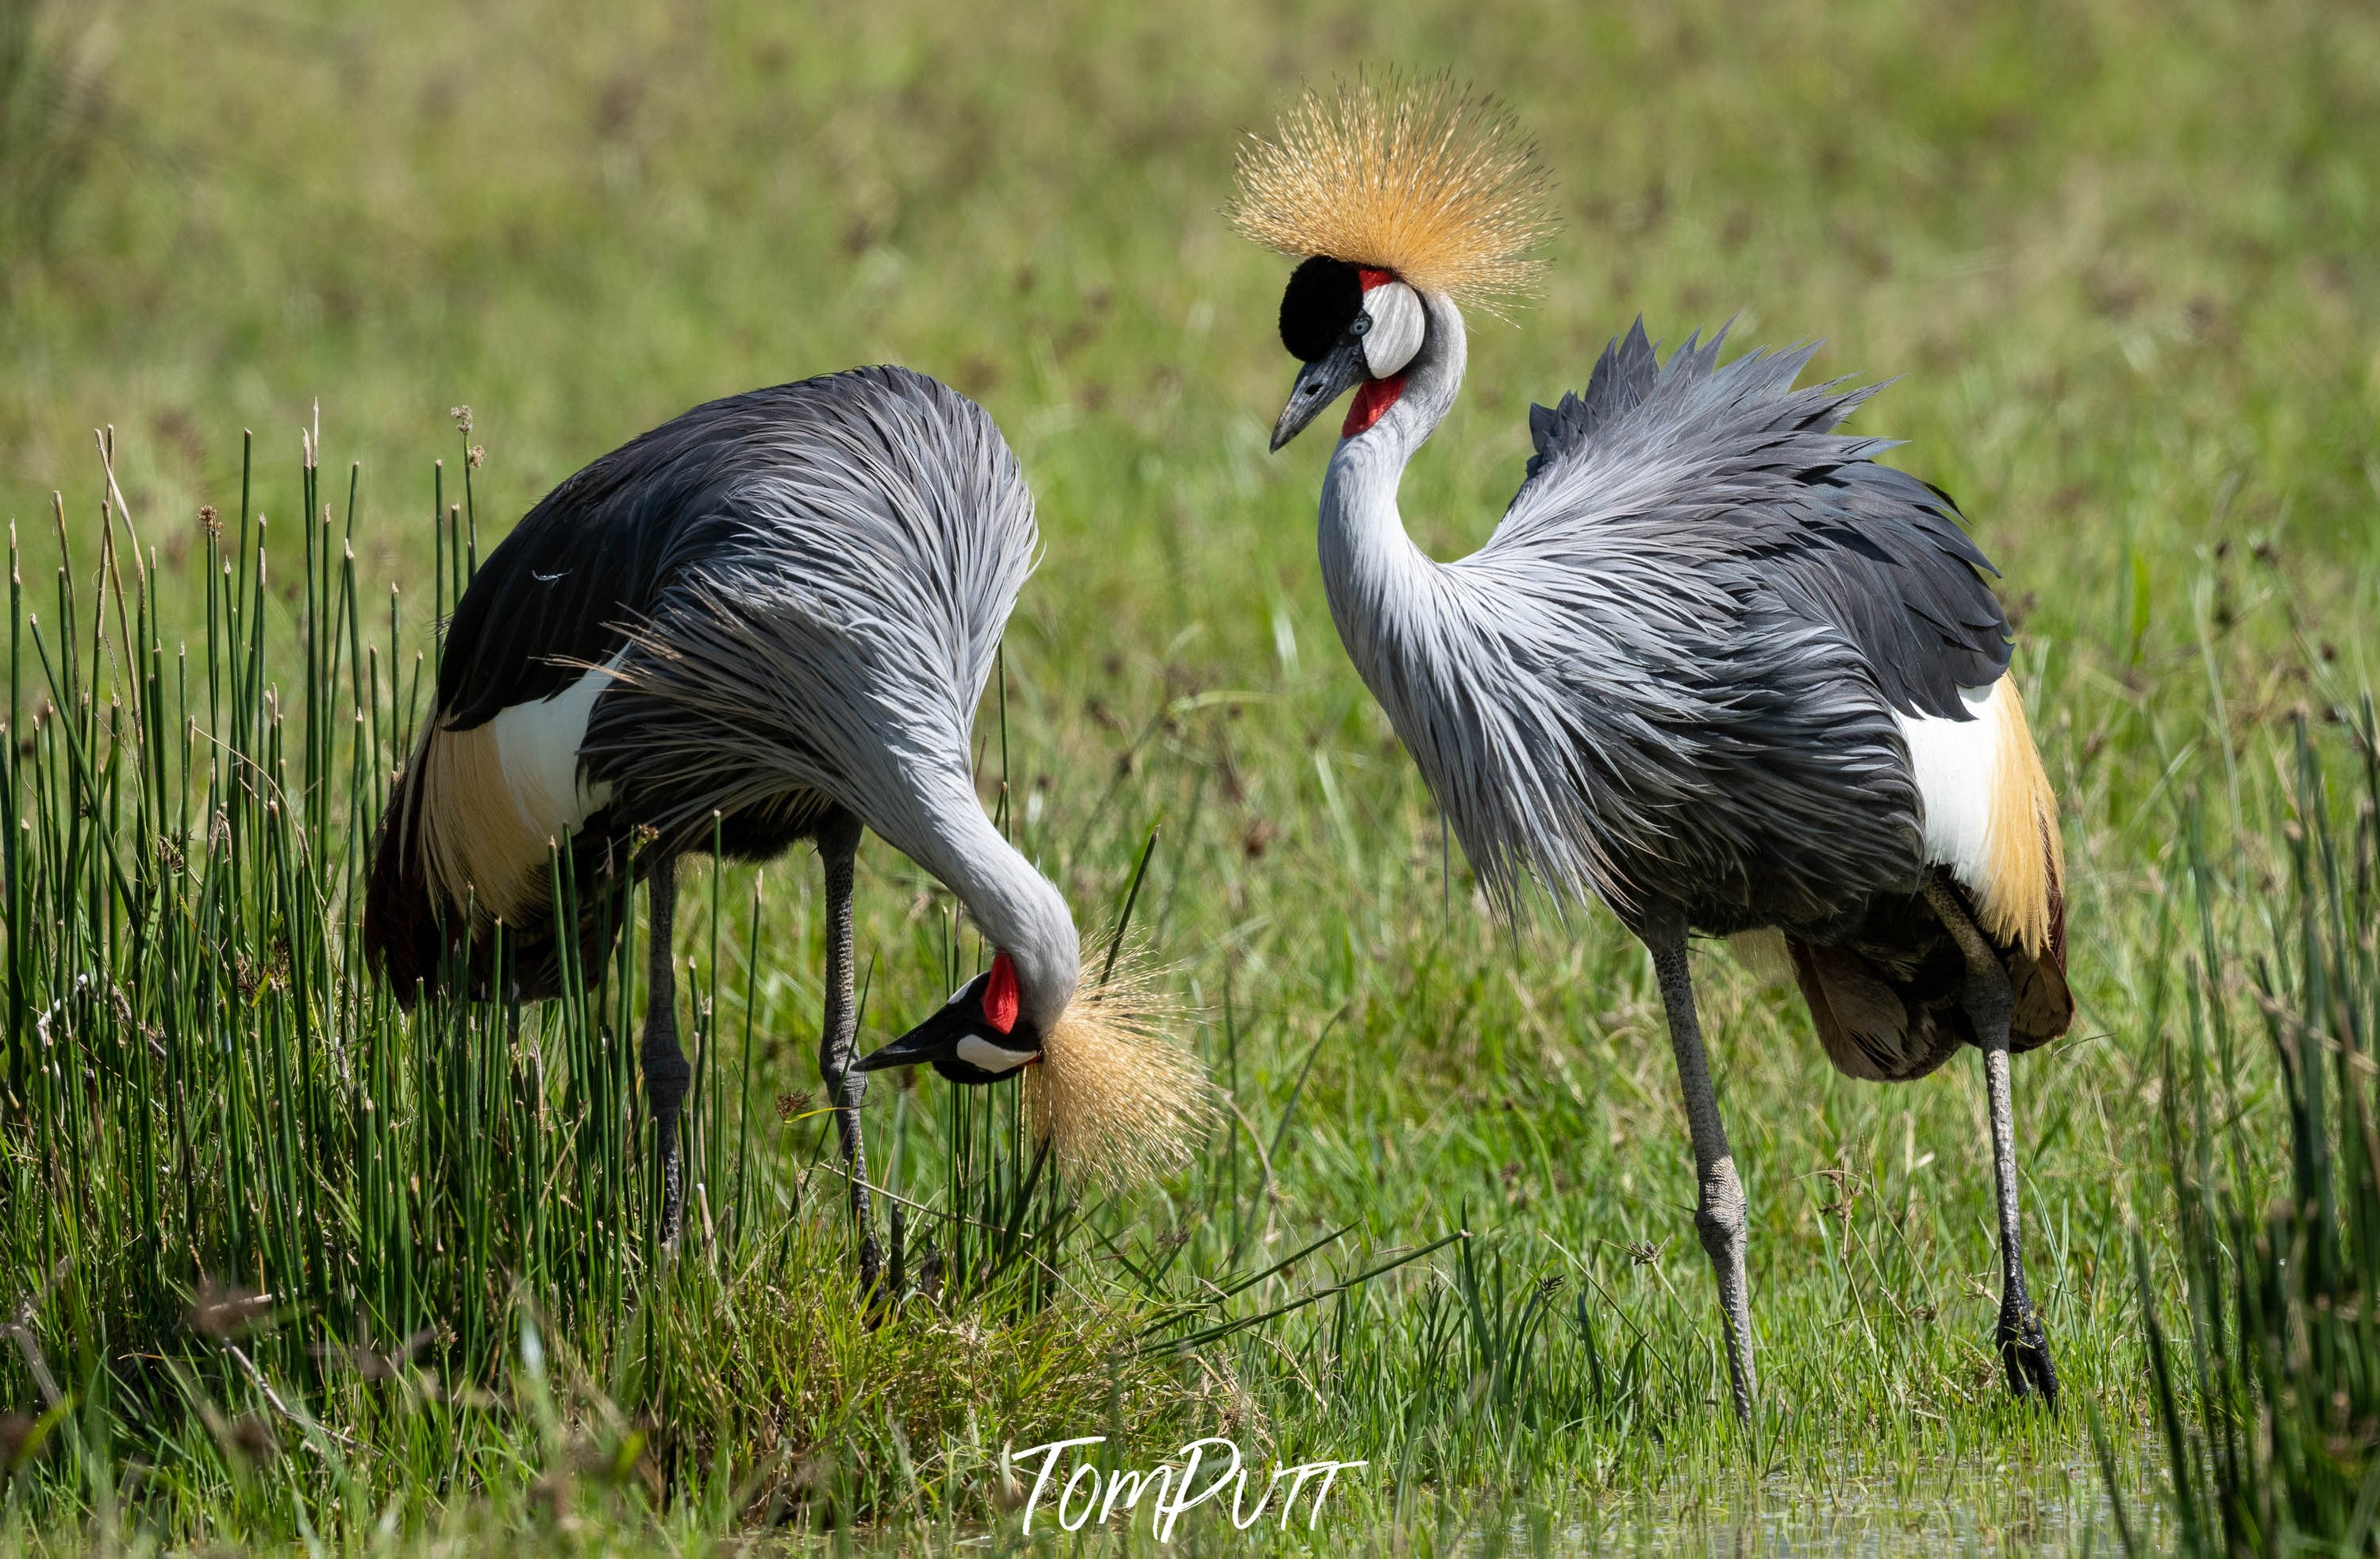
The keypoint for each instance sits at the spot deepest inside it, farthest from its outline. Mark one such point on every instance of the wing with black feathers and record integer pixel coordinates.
(844, 552)
(1745, 474)
(593, 557)
(561, 591)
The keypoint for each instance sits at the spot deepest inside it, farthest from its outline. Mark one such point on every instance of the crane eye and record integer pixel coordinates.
(1363, 325)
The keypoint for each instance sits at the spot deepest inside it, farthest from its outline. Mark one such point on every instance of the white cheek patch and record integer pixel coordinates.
(985, 1057)
(1397, 324)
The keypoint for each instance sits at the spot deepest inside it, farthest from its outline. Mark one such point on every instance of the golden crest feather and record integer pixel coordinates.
(1116, 1100)
(1418, 177)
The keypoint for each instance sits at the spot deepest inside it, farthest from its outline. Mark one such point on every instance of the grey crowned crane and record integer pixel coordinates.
(773, 618)
(1717, 667)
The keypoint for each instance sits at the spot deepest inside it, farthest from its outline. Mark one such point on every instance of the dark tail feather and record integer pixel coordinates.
(403, 938)
(1886, 1002)
(2044, 1007)
(1886, 1022)
(416, 943)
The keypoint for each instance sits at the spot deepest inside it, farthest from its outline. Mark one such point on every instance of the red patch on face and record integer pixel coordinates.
(1371, 403)
(999, 995)
(1374, 278)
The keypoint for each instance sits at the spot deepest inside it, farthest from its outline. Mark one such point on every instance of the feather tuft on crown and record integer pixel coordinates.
(1420, 178)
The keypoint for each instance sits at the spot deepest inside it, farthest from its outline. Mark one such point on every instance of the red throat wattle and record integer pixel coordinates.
(1371, 403)
(1000, 994)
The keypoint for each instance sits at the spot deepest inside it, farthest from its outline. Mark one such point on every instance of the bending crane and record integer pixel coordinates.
(772, 617)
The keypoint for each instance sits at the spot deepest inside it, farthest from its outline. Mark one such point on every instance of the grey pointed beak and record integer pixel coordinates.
(933, 1040)
(919, 1046)
(1318, 383)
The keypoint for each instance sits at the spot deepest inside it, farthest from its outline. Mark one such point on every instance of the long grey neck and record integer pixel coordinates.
(1369, 567)
(1016, 908)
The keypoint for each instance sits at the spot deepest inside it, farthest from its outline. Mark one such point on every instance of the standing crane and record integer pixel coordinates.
(770, 620)
(1717, 667)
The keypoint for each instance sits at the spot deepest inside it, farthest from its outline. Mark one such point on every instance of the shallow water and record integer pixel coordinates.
(1957, 1508)
(1962, 1510)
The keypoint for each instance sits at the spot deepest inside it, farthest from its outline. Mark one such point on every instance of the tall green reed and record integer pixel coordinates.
(205, 1093)
(234, 1170)
(2268, 1384)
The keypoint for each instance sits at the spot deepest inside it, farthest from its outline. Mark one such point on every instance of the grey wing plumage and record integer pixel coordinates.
(594, 556)
(797, 593)
(1740, 479)
(1672, 671)
(840, 643)
(1746, 471)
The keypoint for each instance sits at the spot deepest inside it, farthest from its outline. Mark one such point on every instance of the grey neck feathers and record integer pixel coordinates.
(1446, 648)
(1371, 569)
(1644, 681)
(1017, 909)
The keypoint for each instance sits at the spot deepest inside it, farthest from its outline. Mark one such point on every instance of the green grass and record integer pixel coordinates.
(2267, 1374)
(2120, 254)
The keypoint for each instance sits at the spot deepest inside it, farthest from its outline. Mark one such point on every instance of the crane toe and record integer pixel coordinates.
(2024, 1351)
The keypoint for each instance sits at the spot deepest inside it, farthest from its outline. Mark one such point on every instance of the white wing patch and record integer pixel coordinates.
(494, 795)
(539, 743)
(1957, 765)
(984, 1055)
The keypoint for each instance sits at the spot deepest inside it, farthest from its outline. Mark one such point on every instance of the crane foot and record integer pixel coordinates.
(871, 1266)
(2024, 1351)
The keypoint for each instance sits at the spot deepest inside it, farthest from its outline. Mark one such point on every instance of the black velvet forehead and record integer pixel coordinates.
(1323, 299)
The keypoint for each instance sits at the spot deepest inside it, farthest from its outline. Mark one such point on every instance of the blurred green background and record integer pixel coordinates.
(2120, 252)
(2123, 251)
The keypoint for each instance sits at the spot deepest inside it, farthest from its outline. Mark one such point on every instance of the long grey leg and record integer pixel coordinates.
(665, 1068)
(838, 843)
(1719, 1211)
(2024, 1347)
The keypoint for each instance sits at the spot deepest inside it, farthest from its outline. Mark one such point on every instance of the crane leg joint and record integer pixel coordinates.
(1719, 1218)
(1720, 1214)
(2019, 1339)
